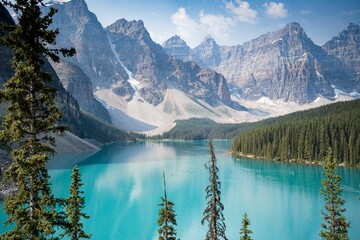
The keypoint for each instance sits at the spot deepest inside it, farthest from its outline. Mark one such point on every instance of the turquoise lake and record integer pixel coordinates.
(123, 185)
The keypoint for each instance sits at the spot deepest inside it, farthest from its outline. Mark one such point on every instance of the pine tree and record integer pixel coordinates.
(75, 203)
(166, 219)
(29, 120)
(213, 212)
(335, 226)
(244, 231)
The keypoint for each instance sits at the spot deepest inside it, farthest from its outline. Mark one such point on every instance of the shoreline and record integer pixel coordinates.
(304, 162)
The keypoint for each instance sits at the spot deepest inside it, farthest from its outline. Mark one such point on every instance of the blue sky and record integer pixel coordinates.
(230, 22)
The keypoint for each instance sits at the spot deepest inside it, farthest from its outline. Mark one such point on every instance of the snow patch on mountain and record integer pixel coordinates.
(52, 2)
(267, 101)
(133, 82)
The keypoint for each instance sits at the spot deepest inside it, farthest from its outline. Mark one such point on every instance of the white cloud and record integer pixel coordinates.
(242, 11)
(192, 30)
(275, 10)
(185, 25)
(216, 25)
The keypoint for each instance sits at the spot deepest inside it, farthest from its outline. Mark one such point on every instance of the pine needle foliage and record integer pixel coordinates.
(245, 231)
(29, 121)
(75, 203)
(335, 226)
(213, 212)
(167, 218)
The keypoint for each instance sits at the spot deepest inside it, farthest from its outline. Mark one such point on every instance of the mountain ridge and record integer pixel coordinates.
(270, 66)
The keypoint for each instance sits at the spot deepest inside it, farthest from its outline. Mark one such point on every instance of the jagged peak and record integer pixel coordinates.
(174, 40)
(123, 23)
(208, 40)
(293, 27)
(352, 27)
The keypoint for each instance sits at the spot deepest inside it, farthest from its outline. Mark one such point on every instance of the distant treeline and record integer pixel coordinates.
(306, 135)
(201, 128)
(91, 127)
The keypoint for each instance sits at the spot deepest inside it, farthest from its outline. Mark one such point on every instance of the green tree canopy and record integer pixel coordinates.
(75, 203)
(167, 218)
(213, 212)
(31, 117)
(335, 226)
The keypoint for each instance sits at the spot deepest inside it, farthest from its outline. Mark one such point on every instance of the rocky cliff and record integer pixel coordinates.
(78, 84)
(79, 28)
(156, 71)
(284, 64)
(177, 47)
(346, 47)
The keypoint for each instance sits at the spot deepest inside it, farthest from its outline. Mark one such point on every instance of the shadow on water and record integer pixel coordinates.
(135, 152)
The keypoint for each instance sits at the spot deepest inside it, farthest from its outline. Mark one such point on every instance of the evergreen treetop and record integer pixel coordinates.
(245, 231)
(75, 203)
(31, 116)
(213, 212)
(166, 220)
(335, 226)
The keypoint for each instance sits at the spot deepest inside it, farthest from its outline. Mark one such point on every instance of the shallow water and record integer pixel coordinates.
(123, 186)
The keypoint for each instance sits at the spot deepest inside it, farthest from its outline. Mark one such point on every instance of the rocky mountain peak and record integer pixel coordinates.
(209, 40)
(207, 54)
(351, 34)
(176, 47)
(174, 41)
(346, 47)
(134, 29)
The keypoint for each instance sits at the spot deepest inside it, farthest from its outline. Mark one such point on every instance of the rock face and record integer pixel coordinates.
(207, 54)
(346, 47)
(103, 53)
(78, 84)
(156, 71)
(5, 53)
(79, 28)
(284, 64)
(177, 47)
(67, 104)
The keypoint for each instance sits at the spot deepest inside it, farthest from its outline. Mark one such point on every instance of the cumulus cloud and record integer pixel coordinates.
(275, 10)
(185, 25)
(207, 24)
(216, 25)
(242, 11)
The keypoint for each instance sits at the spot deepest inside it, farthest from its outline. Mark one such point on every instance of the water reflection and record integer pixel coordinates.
(123, 185)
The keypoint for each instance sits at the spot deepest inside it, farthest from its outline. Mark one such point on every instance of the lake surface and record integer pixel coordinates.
(123, 186)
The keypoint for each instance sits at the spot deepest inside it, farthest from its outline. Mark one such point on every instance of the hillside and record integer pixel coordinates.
(305, 135)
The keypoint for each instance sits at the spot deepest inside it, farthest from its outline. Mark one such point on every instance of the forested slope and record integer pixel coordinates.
(306, 135)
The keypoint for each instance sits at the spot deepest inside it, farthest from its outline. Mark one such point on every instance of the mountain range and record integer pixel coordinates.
(121, 76)
(284, 64)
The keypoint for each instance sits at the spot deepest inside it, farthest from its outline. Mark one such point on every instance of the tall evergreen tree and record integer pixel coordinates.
(167, 219)
(245, 231)
(30, 118)
(213, 212)
(335, 226)
(75, 203)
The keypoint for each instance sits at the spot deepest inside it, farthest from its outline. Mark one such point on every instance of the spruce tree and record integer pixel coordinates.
(166, 219)
(335, 226)
(213, 212)
(75, 203)
(245, 231)
(29, 121)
